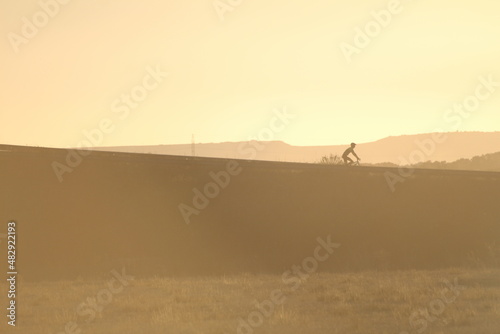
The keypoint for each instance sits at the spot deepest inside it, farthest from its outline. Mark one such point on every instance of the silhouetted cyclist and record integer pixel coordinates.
(345, 156)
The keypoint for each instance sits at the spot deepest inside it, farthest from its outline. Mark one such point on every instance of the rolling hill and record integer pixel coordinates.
(174, 215)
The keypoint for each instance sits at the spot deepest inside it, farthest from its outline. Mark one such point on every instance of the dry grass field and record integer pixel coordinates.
(365, 302)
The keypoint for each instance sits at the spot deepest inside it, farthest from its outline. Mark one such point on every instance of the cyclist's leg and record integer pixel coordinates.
(348, 161)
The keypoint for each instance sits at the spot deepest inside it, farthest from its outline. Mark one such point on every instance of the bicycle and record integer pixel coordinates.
(354, 163)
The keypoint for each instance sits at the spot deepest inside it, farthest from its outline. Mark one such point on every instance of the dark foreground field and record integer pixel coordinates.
(127, 209)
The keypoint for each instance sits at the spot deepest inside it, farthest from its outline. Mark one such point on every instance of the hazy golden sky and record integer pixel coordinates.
(225, 77)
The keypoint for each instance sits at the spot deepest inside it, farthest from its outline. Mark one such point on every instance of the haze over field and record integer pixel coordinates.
(203, 241)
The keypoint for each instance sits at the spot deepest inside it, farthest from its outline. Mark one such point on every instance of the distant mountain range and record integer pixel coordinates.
(398, 150)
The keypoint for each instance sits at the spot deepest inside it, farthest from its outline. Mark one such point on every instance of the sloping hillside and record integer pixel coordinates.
(117, 209)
